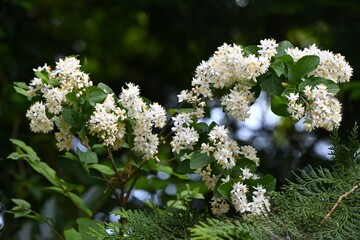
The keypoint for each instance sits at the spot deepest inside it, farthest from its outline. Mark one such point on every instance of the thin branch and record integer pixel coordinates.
(338, 202)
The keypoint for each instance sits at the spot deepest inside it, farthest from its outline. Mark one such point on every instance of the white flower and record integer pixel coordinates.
(207, 177)
(268, 48)
(239, 199)
(237, 103)
(246, 174)
(54, 98)
(250, 153)
(219, 206)
(332, 66)
(157, 115)
(39, 122)
(324, 110)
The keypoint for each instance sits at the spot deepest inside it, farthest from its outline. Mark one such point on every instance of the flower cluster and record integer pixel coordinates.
(185, 136)
(332, 66)
(259, 204)
(53, 85)
(226, 153)
(107, 120)
(322, 110)
(106, 123)
(230, 67)
(146, 118)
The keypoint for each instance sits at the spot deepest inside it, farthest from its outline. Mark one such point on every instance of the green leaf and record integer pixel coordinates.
(105, 88)
(24, 147)
(251, 49)
(21, 91)
(201, 127)
(21, 203)
(282, 46)
(302, 67)
(278, 67)
(79, 202)
(225, 189)
(199, 160)
(72, 234)
(72, 98)
(42, 75)
(184, 167)
(102, 169)
(279, 106)
(172, 111)
(272, 86)
(71, 116)
(331, 86)
(268, 182)
(70, 156)
(85, 224)
(95, 95)
(87, 157)
(287, 59)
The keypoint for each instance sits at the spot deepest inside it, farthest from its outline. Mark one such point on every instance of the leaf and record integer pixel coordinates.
(21, 203)
(85, 224)
(279, 106)
(42, 76)
(105, 88)
(201, 127)
(287, 59)
(102, 169)
(184, 167)
(95, 95)
(172, 111)
(24, 147)
(21, 91)
(272, 86)
(251, 49)
(302, 67)
(79, 202)
(282, 46)
(72, 98)
(70, 156)
(87, 157)
(199, 160)
(278, 67)
(72, 234)
(331, 86)
(268, 182)
(71, 116)
(225, 189)
(169, 170)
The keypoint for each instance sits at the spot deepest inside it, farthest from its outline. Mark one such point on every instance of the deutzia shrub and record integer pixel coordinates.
(302, 84)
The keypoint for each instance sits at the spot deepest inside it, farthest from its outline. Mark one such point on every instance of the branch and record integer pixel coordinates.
(339, 201)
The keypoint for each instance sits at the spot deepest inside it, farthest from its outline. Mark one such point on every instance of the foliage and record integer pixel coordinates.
(321, 204)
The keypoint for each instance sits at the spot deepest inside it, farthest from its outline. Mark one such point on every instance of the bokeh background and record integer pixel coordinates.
(157, 44)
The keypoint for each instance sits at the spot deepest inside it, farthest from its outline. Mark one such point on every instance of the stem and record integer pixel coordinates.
(119, 178)
(338, 202)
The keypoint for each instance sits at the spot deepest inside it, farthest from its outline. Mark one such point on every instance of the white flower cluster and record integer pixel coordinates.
(230, 67)
(224, 149)
(219, 206)
(322, 110)
(39, 122)
(147, 117)
(208, 177)
(68, 77)
(259, 204)
(106, 123)
(185, 136)
(332, 66)
(64, 137)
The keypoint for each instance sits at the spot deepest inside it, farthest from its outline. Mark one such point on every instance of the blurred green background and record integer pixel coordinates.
(158, 44)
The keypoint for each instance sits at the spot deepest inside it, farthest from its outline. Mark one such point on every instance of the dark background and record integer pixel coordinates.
(157, 45)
